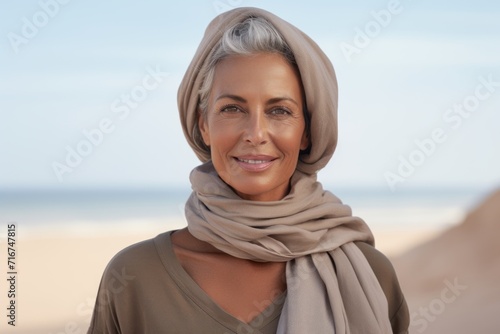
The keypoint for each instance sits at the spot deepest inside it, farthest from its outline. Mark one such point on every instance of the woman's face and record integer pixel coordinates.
(254, 124)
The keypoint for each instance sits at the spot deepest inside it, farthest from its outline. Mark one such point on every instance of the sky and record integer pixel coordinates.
(88, 91)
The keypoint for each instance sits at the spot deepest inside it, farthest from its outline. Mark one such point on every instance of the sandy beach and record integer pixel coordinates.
(59, 271)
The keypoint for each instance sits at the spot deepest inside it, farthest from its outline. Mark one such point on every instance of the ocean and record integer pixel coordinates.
(77, 210)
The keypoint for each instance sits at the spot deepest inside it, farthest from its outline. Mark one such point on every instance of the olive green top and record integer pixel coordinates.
(145, 290)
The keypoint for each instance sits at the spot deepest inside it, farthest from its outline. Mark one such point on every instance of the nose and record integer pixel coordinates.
(256, 129)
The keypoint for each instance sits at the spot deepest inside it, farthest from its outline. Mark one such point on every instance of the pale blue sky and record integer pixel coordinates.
(69, 74)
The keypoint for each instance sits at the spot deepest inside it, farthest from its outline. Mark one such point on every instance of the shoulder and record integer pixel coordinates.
(133, 254)
(387, 278)
(136, 259)
(380, 264)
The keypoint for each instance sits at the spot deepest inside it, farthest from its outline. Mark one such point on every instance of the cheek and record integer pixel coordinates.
(289, 138)
(222, 136)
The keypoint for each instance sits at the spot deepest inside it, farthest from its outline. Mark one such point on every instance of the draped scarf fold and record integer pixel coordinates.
(331, 287)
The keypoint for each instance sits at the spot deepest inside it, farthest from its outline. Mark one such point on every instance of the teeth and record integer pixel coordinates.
(253, 161)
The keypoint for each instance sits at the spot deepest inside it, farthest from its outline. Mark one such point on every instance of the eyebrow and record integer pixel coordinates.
(270, 101)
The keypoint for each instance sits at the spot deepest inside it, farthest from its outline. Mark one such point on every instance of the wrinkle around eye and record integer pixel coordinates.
(281, 111)
(230, 108)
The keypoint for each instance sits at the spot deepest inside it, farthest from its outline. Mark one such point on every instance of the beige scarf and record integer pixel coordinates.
(309, 228)
(331, 286)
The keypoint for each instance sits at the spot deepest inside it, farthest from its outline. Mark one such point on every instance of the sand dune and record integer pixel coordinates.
(452, 282)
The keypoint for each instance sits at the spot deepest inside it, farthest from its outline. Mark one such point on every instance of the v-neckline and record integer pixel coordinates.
(194, 292)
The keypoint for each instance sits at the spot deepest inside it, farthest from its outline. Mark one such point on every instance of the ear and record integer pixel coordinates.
(304, 142)
(203, 126)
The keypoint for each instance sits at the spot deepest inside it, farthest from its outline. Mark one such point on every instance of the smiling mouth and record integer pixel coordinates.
(255, 164)
(252, 161)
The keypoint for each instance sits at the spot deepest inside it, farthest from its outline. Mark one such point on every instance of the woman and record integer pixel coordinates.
(266, 249)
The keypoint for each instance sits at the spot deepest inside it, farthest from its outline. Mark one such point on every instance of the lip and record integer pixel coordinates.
(254, 163)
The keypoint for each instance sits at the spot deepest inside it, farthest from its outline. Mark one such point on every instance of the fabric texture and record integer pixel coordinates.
(306, 228)
(316, 72)
(145, 289)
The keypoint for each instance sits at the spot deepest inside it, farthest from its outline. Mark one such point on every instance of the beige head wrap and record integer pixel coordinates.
(318, 80)
(310, 228)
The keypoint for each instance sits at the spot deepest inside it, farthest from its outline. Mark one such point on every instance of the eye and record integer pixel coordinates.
(230, 109)
(280, 111)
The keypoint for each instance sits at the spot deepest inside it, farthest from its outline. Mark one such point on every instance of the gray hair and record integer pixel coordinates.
(253, 35)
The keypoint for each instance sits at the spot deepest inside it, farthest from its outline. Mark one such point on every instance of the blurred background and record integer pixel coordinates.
(92, 155)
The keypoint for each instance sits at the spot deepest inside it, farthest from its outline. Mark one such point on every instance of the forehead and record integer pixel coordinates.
(265, 74)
